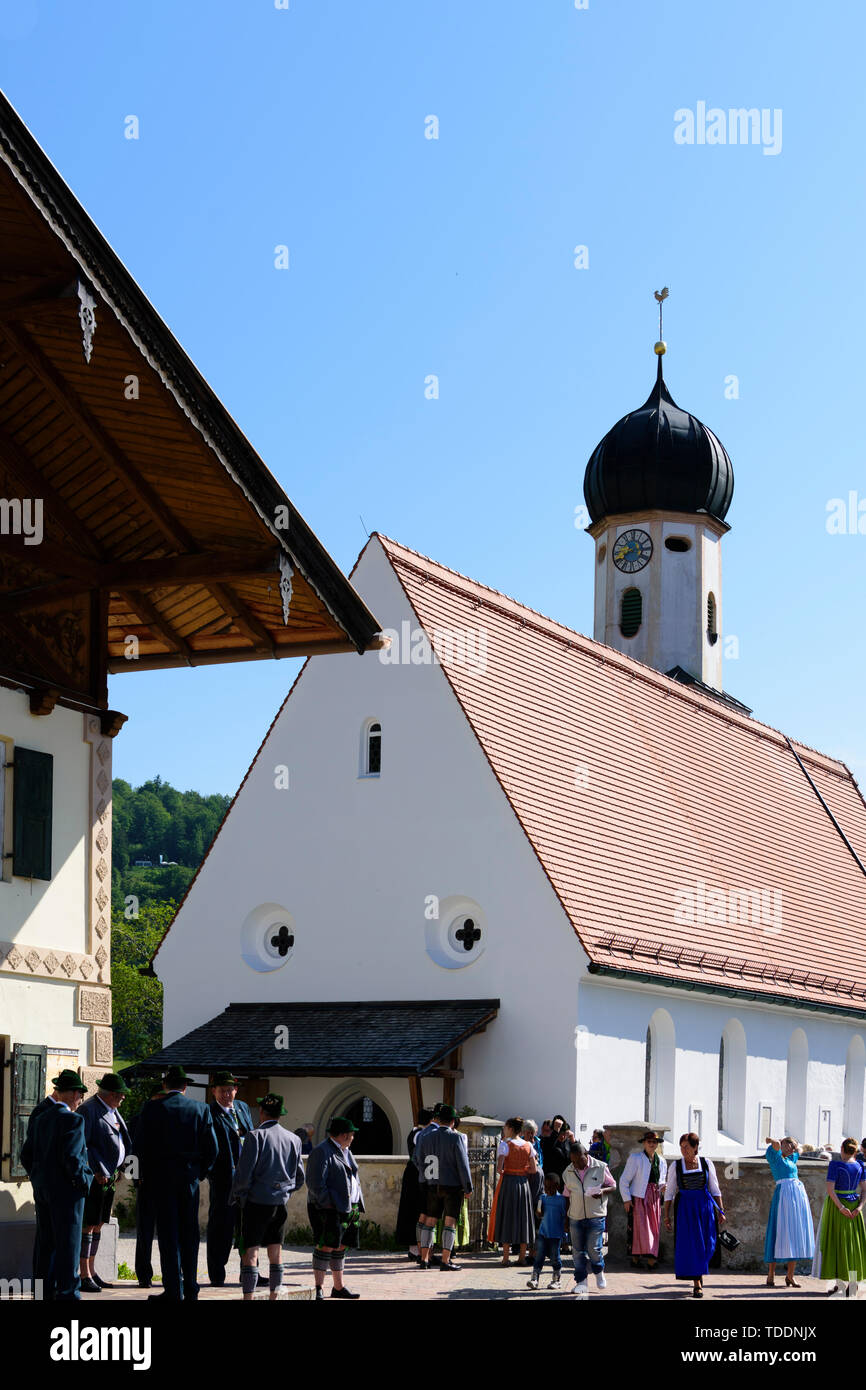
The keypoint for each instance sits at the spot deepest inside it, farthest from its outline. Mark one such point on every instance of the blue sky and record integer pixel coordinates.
(408, 257)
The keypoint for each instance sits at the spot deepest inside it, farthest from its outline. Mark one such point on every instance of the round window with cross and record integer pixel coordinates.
(464, 933)
(455, 930)
(279, 940)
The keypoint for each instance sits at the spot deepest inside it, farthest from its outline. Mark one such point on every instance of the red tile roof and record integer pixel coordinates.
(634, 790)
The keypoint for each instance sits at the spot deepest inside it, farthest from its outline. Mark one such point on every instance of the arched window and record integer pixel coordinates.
(732, 1081)
(855, 1077)
(712, 625)
(631, 612)
(371, 749)
(659, 1070)
(795, 1085)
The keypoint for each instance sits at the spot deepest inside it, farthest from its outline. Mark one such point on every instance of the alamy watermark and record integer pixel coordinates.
(22, 516)
(720, 907)
(736, 126)
(445, 646)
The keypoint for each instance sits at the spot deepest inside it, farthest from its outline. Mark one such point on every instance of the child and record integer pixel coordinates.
(554, 1225)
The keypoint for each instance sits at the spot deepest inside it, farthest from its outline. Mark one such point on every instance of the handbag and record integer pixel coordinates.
(728, 1240)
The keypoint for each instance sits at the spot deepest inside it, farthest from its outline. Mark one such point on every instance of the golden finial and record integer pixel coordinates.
(660, 296)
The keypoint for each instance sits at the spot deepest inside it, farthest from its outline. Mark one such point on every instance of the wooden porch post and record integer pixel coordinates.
(415, 1097)
(449, 1083)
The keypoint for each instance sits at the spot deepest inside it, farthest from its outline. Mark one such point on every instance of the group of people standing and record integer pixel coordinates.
(75, 1149)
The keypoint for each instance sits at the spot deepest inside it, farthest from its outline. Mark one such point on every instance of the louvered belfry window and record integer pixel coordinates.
(32, 797)
(631, 612)
(712, 629)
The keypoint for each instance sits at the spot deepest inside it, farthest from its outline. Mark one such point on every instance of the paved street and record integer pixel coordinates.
(383, 1275)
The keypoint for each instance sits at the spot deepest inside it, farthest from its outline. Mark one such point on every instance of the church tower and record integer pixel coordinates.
(657, 489)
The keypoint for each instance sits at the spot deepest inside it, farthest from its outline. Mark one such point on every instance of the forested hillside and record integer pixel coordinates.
(151, 821)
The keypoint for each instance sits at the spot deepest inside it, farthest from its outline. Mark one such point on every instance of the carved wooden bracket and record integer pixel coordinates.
(43, 701)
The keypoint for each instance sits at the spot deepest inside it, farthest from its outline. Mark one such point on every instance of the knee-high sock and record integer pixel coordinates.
(86, 1245)
(338, 1260)
(449, 1235)
(94, 1243)
(321, 1260)
(425, 1238)
(249, 1278)
(275, 1277)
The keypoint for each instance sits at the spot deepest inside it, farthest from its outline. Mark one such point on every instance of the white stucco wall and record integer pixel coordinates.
(51, 912)
(354, 860)
(611, 1061)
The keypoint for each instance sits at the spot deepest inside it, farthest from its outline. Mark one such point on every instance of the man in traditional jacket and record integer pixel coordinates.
(176, 1147)
(334, 1205)
(55, 1155)
(270, 1169)
(108, 1144)
(232, 1123)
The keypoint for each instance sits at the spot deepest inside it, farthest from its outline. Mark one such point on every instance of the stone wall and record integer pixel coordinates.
(747, 1190)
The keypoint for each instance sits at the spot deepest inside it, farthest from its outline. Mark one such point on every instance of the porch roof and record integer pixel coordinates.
(362, 1038)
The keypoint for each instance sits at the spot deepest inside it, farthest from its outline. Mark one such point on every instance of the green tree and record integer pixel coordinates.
(137, 1000)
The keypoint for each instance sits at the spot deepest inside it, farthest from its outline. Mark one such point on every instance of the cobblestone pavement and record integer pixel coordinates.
(384, 1275)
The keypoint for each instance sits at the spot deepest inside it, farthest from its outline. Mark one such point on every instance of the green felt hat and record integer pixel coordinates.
(272, 1104)
(340, 1125)
(175, 1076)
(68, 1080)
(112, 1082)
(447, 1112)
(224, 1078)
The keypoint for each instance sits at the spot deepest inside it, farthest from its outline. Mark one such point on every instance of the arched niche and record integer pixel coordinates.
(732, 1081)
(855, 1084)
(795, 1085)
(660, 1069)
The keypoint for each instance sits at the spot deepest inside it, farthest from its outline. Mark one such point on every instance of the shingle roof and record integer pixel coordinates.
(371, 1038)
(634, 790)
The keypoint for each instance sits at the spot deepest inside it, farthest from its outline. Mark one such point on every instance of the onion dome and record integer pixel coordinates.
(659, 458)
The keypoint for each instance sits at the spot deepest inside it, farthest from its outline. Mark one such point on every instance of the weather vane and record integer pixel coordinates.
(660, 296)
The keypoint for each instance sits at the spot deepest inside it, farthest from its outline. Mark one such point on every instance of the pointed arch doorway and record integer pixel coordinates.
(367, 1108)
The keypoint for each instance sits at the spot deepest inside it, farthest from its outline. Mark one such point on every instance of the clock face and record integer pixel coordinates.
(632, 550)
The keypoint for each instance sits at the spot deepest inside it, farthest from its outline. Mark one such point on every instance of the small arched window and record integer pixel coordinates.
(631, 612)
(712, 626)
(373, 750)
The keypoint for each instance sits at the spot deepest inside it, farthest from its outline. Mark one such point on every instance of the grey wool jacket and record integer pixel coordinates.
(270, 1167)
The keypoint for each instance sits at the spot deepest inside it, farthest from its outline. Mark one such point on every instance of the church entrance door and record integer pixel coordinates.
(374, 1128)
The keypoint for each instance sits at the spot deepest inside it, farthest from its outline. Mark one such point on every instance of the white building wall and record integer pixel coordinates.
(611, 1063)
(355, 861)
(52, 912)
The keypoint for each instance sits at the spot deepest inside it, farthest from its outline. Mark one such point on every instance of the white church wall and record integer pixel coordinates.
(358, 861)
(616, 1017)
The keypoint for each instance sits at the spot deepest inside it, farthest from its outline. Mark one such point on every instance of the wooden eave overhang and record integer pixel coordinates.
(164, 536)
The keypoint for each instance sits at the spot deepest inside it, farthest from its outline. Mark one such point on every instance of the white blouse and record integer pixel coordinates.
(712, 1181)
(635, 1175)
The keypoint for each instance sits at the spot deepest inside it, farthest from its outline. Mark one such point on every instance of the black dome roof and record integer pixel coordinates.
(659, 458)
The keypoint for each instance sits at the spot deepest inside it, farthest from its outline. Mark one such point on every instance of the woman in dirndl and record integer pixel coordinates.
(511, 1220)
(789, 1235)
(840, 1249)
(693, 1191)
(641, 1186)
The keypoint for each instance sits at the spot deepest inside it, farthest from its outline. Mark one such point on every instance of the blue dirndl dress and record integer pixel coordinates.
(695, 1233)
(789, 1227)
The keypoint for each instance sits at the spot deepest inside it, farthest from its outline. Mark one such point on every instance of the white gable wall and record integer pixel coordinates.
(354, 861)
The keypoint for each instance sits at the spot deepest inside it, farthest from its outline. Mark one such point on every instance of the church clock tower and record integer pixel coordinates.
(657, 489)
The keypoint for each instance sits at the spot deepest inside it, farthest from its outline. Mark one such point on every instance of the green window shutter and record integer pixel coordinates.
(32, 795)
(29, 1063)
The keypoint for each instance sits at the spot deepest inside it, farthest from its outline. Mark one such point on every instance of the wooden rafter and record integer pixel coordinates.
(67, 398)
(147, 574)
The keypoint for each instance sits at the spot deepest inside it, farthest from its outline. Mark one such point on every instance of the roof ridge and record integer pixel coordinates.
(624, 661)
